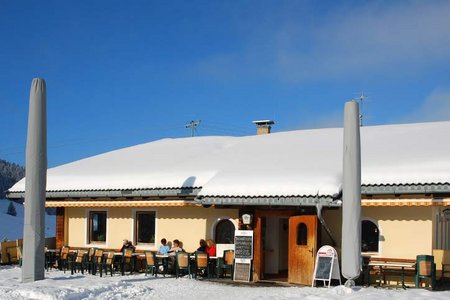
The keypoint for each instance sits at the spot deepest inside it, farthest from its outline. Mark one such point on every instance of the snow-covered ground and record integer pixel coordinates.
(58, 285)
(11, 227)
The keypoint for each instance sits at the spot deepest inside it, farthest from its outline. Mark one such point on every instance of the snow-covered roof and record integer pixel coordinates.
(293, 163)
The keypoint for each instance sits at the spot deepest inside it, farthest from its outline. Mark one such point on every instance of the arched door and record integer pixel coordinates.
(224, 232)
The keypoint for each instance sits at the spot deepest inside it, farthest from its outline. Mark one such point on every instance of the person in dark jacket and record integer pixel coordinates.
(203, 246)
(127, 245)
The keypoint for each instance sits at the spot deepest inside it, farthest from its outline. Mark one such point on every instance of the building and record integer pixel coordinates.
(288, 182)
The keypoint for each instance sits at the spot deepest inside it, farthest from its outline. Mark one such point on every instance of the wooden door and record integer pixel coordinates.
(302, 248)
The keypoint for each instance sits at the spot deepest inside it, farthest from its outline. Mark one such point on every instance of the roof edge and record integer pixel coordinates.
(163, 192)
(327, 201)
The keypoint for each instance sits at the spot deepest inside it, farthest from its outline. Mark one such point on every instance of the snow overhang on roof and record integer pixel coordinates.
(408, 158)
(168, 192)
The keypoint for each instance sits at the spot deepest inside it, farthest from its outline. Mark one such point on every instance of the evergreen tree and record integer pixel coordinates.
(11, 209)
(10, 173)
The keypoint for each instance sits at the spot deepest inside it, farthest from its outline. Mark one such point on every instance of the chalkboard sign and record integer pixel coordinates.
(243, 254)
(327, 266)
(243, 247)
(242, 272)
(324, 267)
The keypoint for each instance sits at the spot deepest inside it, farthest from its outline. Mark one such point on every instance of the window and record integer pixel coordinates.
(97, 226)
(370, 235)
(302, 234)
(145, 227)
(225, 232)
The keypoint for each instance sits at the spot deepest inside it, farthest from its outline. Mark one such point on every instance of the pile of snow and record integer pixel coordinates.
(294, 163)
(58, 285)
(11, 227)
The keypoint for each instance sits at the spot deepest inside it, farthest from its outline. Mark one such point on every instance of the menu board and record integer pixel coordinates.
(324, 267)
(243, 247)
(243, 254)
(243, 244)
(242, 271)
(327, 266)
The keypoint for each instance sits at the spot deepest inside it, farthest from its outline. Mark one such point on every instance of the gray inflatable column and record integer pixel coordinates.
(33, 263)
(351, 195)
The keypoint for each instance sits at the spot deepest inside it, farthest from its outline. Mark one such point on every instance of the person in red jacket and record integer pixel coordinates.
(211, 248)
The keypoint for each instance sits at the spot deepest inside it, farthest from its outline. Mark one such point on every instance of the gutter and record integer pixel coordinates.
(324, 224)
(296, 201)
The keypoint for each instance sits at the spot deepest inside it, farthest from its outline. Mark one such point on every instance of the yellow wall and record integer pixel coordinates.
(188, 224)
(405, 231)
(75, 227)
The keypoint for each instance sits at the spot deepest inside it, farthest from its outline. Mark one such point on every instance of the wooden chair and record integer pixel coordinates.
(47, 258)
(98, 259)
(63, 259)
(226, 263)
(50, 259)
(150, 263)
(442, 261)
(182, 263)
(79, 262)
(425, 268)
(19, 255)
(90, 261)
(107, 263)
(127, 260)
(202, 264)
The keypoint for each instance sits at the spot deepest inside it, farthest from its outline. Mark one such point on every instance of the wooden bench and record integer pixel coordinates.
(383, 267)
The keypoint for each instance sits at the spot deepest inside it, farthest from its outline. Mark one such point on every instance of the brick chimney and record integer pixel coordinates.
(263, 126)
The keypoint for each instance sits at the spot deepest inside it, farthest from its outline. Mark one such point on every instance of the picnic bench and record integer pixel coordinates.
(384, 267)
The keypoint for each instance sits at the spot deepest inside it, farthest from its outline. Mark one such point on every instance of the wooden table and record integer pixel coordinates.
(134, 256)
(393, 267)
(162, 260)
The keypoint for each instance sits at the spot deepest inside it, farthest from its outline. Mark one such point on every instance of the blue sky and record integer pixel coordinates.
(120, 73)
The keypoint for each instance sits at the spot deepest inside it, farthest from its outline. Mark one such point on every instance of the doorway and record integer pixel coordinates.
(284, 246)
(275, 248)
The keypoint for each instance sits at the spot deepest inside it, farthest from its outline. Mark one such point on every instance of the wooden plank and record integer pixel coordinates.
(257, 250)
(59, 227)
(391, 260)
(276, 213)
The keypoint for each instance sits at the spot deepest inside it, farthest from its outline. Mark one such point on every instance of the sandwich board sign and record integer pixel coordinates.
(243, 253)
(327, 266)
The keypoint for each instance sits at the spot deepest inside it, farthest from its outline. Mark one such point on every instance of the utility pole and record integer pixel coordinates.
(360, 100)
(193, 126)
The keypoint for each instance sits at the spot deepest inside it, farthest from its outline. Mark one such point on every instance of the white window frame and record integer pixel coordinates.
(380, 236)
(87, 229)
(144, 246)
(214, 224)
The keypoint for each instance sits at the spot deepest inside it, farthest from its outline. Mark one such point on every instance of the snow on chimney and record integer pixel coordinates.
(263, 126)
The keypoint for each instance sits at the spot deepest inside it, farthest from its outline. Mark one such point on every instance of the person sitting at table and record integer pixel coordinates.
(175, 248)
(203, 246)
(211, 247)
(127, 245)
(172, 254)
(164, 248)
